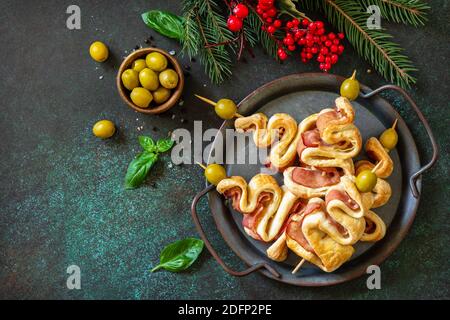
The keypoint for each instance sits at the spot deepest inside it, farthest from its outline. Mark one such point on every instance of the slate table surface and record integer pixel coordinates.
(61, 196)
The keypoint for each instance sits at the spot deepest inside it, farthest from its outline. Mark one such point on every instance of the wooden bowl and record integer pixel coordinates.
(125, 93)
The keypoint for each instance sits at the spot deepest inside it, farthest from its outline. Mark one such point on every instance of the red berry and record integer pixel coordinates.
(322, 66)
(277, 23)
(320, 58)
(241, 11)
(312, 26)
(309, 36)
(328, 43)
(334, 48)
(336, 41)
(341, 35)
(309, 55)
(289, 41)
(305, 22)
(341, 48)
(327, 59)
(309, 43)
(331, 36)
(259, 10)
(283, 56)
(334, 58)
(234, 23)
(324, 51)
(302, 41)
(269, 20)
(289, 25)
(271, 29)
(323, 38)
(265, 15)
(319, 24)
(327, 66)
(314, 50)
(295, 22)
(272, 12)
(291, 48)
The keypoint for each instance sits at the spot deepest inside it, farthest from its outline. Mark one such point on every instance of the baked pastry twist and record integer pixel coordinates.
(280, 132)
(305, 236)
(258, 201)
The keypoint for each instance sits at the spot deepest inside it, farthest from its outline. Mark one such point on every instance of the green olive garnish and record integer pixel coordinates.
(350, 87)
(214, 173)
(389, 137)
(366, 181)
(225, 108)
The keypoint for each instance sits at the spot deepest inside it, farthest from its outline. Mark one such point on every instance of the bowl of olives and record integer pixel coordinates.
(150, 81)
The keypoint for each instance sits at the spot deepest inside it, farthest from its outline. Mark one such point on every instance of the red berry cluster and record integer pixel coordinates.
(267, 11)
(235, 21)
(310, 36)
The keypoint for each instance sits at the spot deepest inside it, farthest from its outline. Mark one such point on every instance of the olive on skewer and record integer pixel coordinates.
(214, 173)
(225, 108)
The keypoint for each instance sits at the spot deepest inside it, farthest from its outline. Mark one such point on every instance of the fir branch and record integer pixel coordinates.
(191, 36)
(401, 11)
(267, 42)
(204, 19)
(374, 45)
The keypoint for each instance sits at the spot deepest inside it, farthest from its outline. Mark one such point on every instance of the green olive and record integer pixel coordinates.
(366, 181)
(215, 173)
(156, 61)
(161, 95)
(168, 78)
(350, 87)
(104, 129)
(226, 109)
(99, 51)
(389, 138)
(141, 97)
(148, 79)
(139, 65)
(130, 79)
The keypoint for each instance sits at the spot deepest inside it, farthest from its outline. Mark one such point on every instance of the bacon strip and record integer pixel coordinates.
(294, 228)
(370, 226)
(325, 118)
(316, 178)
(250, 220)
(343, 196)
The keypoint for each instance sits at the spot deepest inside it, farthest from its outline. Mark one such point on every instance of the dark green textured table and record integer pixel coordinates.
(61, 195)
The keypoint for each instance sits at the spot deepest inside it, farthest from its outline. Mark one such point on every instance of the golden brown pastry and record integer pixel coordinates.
(280, 133)
(346, 208)
(375, 229)
(329, 138)
(377, 153)
(305, 237)
(382, 191)
(258, 201)
(290, 204)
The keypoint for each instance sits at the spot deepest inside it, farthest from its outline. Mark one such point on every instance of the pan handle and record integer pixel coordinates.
(415, 176)
(211, 249)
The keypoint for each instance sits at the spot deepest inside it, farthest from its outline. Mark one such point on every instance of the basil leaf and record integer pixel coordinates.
(139, 168)
(164, 145)
(179, 255)
(147, 143)
(165, 23)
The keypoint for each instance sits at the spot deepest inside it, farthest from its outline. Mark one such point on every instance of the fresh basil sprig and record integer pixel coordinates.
(139, 168)
(166, 23)
(180, 255)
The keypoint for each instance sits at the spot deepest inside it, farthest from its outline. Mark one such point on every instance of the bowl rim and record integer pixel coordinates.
(124, 93)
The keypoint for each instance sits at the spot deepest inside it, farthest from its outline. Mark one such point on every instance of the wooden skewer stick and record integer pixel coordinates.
(299, 265)
(353, 77)
(202, 165)
(376, 167)
(208, 101)
(395, 124)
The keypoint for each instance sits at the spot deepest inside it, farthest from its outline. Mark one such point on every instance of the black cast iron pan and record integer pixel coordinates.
(301, 95)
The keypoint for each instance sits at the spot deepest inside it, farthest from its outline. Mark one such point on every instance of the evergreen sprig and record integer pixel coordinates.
(374, 45)
(411, 12)
(206, 22)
